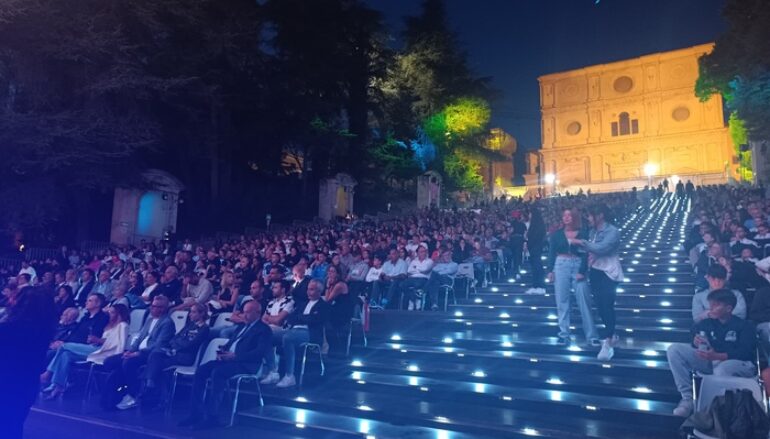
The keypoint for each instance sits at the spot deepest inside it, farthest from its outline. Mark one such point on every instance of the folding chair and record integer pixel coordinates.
(449, 288)
(360, 321)
(305, 347)
(465, 272)
(180, 319)
(713, 386)
(239, 379)
(91, 369)
(205, 354)
(137, 317)
(222, 321)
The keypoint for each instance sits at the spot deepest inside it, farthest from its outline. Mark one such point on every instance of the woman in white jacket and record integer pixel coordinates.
(114, 341)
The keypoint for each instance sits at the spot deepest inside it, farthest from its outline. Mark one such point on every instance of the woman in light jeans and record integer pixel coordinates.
(568, 265)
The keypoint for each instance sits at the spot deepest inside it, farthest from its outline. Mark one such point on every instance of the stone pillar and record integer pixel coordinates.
(429, 190)
(336, 196)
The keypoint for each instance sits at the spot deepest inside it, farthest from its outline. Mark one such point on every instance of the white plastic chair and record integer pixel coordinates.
(180, 319)
(135, 325)
(465, 271)
(209, 353)
(712, 386)
(222, 320)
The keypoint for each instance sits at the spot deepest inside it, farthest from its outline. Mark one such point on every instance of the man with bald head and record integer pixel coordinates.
(242, 354)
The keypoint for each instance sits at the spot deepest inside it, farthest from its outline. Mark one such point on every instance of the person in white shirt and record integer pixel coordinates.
(441, 274)
(30, 270)
(276, 317)
(393, 274)
(418, 273)
(97, 349)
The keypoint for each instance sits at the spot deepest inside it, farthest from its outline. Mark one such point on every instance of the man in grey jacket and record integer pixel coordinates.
(156, 333)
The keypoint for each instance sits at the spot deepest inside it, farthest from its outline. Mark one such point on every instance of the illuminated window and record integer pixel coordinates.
(625, 125)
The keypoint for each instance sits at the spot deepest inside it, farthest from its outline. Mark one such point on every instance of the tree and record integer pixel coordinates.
(739, 65)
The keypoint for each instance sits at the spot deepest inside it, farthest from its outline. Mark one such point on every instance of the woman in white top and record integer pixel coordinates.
(96, 350)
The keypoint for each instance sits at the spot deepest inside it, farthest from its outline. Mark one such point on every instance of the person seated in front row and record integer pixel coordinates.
(306, 325)
(722, 345)
(68, 322)
(276, 316)
(91, 324)
(418, 273)
(392, 275)
(716, 276)
(440, 275)
(242, 354)
(95, 350)
(156, 333)
(182, 351)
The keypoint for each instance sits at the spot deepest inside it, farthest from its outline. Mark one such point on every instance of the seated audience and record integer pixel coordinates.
(299, 284)
(740, 241)
(242, 354)
(96, 350)
(119, 296)
(91, 324)
(150, 287)
(722, 345)
(227, 296)
(441, 274)
(63, 299)
(124, 380)
(67, 323)
(306, 325)
(195, 289)
(170, 285)
(417, 276)
(341, 311)
(393, 274)
(716, 278)
(356, 278)
(182, 350)
(104, 285)
(276, 317)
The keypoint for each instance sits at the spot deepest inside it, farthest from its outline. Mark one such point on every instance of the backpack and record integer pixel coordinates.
(734, 415)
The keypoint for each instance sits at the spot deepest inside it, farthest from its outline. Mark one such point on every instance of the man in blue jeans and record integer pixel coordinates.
(306, 325)
(722, 345)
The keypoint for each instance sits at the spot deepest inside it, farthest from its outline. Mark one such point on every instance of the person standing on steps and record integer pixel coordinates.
(535, 239)
(605, 271)
(567, 269)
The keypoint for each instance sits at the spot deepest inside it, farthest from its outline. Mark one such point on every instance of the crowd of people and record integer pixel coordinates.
(276, 291)
(726, 240)
(279, 290)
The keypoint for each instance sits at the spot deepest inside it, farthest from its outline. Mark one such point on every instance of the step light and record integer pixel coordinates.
(477, 300)
(555, 381)
(495, 289)
(365, 408)
(413, 368)
(666, 321)
(395, 337)
(649, 353)
(641, 389)
(356, 363)
(301, 399)
(458, 313)
(479, 374)
(447, 340)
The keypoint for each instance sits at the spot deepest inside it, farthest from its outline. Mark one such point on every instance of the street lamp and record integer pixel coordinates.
(650, 169)
(550, 179)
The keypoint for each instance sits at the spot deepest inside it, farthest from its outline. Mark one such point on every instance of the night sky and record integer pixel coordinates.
(515, 41)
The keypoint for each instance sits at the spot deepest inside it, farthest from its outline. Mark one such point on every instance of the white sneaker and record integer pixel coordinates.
(607, 352)
(271, 378)
(684, 409)
(127, 402)
(287, 381)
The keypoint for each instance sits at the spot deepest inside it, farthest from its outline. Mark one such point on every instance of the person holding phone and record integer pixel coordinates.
(242, 354)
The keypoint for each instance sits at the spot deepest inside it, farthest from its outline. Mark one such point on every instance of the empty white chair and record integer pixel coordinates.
(465, 272)
(206, 354)
(180, 319)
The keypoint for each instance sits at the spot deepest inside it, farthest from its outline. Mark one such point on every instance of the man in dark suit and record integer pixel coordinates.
(299, 284)
(242, 354)
(307, 325)
(84, 289)
(156, 333)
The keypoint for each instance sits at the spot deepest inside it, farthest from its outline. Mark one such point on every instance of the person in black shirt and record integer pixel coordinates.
(92, 323)
(722, 345)
(182, 351)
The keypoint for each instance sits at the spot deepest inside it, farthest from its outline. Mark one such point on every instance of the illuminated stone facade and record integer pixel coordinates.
(602, 124)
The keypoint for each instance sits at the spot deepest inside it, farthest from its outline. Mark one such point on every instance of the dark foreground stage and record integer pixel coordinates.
(488, 367)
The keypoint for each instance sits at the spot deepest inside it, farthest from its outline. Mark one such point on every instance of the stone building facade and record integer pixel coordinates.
(609, 126)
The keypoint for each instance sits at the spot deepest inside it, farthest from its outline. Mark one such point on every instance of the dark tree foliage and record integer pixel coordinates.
(739, 66)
